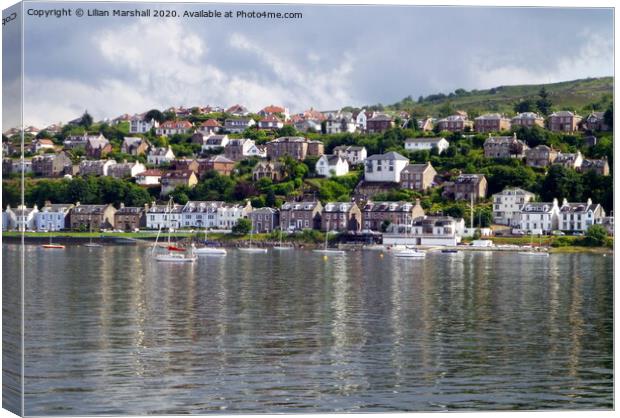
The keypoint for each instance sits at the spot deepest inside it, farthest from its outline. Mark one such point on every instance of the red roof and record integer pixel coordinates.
(46, 141)
(211, 122)
(176, 124)
(273, 109)
(151, 172)
(179, 174)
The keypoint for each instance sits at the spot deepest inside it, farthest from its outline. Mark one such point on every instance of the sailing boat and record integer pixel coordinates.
(409, 252)
(325, 250)
(209, 250)
(175, 254)
(52, 246)
(280, 247)
(532, 251)
(91, 243)
(251, 249)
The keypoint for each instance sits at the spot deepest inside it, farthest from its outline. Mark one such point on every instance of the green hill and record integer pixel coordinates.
(581, 95)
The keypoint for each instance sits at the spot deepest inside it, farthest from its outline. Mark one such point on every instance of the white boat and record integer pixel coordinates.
(174, 254)
(209, 250)
(374, 247)
(410, 253)
(533, 252)
(250, 249)
(325, 250)
(53, 246)
(281, 247)
(91, 244)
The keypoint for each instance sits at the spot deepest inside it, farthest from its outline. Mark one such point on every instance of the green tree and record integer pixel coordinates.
(608, 116)
(526, 105)
(562, 182)
(86, 120)
(242, 227)
(154, 114)
(544, 103)
(596, 236)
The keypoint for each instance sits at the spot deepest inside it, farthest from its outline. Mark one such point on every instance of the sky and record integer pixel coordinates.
(333, 57)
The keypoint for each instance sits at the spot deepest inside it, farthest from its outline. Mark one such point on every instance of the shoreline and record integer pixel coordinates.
(236, 242)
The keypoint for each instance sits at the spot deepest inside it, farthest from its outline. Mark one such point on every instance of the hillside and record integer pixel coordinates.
(577, 95)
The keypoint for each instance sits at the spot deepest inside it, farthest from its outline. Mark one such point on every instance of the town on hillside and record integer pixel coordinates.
(434, 178)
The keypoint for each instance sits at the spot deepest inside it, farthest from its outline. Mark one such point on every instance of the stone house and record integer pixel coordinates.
(341, 217)
(418, 176)
(466, 187)
(92, 217)
(264, 220)
(377, 214)
(296, 216)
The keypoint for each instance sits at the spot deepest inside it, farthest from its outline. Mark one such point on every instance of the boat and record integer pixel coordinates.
(52, 246)
(250, 249)
(534, 252)
(374, 247)
(209, 250)
(175, 254)
(326, 250)
(281, 247)
(449, 251)
(90, 243)
(410, 253)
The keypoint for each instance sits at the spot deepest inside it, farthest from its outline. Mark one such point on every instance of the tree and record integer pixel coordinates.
(526, 105)
(154, 114)
(543, 104)
(609, 116)
(287, 130)
(562, 182)
(385, 224)
(242, 227)
(596, 236)
(86, 120)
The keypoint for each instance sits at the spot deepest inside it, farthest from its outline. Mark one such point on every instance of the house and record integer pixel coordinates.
(238, 149)
(258, 151)
(352, 153)
(504, 147)
(21, 218)
(21, 165)
(125, 117)
(125, 169)
(426, 143)
(491, 122)
(379, 123)
(564, 121)
(160, 155)
(275, 111)
(135, 145)
(540, 156)
(296, 216)
(173, 179)
(527, 120)
(219, 163)
(229, 214)
(7, 166)
(596, 122)
(52, 165)
(238, 110)
(600, 167)
(200, 214)
(95, 167)
(341, 217)
(148, 177)
(295, 146)
(265, 220)
(139, 125)
(174, 127)
(539, 217)
(419, 177)
(92, 217)
(466, 187)
(426, 124)
(378, 215)
(331, 165)
(164, 216)
(569, 160)
(590, 140)
(426, 230)
(507, 205)
(384, 167)
(130, 218)
(75, 141)
(360, 120)
(270, 122)
(237, 126)
(579, 217)
(273, 170)
(210, 126)
(340, 123)
(214, 142)
(307, 125)
(608, 223)
(97, 146)
(455, 123)
(41, 144)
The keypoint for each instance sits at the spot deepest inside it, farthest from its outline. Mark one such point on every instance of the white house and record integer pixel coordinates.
(21, 218)
(96, 167)
(539, 217)
(507, 205)
(138, 125)
(353, 154)
(229, 214)
(426, 230)
(125, 169)
(173, 127)
(148, 177)
(579, 217)
(52, 217)
(422, 143)
(161, 155)
(214, 142)
(331, 165)
(256, 151)
(339, 123)
(237, 126)
(162, 216)
(200, 214)
(384, 167)
(360, 120)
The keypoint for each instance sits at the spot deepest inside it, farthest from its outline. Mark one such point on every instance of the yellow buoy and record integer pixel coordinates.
(324, 257)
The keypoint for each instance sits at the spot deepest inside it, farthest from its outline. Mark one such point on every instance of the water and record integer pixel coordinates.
(108, 331)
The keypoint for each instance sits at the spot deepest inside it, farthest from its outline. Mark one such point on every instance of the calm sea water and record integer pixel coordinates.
(108, 331)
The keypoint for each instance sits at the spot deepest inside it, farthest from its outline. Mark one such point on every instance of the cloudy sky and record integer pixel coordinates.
(334, 56)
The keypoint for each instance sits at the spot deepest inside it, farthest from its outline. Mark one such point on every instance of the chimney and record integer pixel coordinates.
(122, 205)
